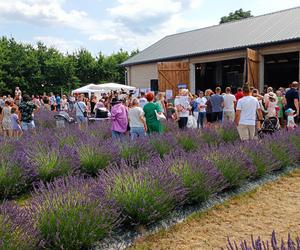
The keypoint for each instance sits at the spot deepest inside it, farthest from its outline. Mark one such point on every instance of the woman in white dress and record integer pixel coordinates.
(5, 119)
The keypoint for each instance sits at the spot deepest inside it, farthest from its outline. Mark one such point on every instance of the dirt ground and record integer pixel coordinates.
(273, 206)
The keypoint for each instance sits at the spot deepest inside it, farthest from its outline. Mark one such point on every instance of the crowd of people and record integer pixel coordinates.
(145, 114)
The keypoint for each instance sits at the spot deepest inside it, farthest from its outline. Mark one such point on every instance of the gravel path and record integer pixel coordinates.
(273, 206)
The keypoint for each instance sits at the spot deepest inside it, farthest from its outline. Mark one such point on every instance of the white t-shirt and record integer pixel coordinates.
(134, 116)
(201, 102)
(184, 105)
(229, 100)
(248, 105)
(143, 102)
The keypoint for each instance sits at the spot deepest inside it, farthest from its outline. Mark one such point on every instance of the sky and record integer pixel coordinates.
(108, 26)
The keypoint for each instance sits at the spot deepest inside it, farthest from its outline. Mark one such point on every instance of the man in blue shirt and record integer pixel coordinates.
(217, 103)
(292, 99)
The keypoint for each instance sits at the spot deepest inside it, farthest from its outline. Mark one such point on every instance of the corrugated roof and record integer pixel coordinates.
(270, 28)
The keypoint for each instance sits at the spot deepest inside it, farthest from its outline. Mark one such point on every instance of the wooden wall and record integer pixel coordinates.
(253, 68)
(170, 74)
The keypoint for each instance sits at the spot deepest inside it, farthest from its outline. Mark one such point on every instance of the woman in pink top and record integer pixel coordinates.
(119, 119)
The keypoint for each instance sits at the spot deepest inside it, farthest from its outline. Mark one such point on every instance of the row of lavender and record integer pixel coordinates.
(259, 244)
(50, 153)
(76, 212)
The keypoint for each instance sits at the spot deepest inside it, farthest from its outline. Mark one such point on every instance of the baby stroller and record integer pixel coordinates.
(269, 126)
(61, 118)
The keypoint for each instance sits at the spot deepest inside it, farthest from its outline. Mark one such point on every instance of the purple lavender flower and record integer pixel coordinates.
(198, 176)
(68, 215)
(16, 228)
(259, 244)
(145, 194)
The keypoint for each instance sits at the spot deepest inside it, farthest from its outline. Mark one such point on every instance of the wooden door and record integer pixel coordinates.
(170, 74)
(253, 68)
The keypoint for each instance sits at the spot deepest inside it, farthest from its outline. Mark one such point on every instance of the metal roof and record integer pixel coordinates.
(277, 27)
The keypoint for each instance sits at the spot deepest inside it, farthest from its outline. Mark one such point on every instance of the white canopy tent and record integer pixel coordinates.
(97, 89)
(106, 87)
(88, 89)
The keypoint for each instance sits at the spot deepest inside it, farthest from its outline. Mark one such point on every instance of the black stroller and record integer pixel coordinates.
(63, 117)
(269, 126)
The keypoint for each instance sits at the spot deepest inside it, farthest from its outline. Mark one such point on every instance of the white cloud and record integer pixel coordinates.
(131, 23)
(196, 3)
(136, 9)
(103, 37)
(139, 23)
(59, 43)
(46, 12)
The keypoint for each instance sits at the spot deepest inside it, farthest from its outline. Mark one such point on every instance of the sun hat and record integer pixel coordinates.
(271, 95)
(184, 91)
(288, 111)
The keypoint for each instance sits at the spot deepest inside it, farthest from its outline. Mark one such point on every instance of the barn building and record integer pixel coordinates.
(262, 50)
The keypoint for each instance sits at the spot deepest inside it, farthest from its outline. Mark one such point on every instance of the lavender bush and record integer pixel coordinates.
(263, 162)
(94, 157)
(294, 139)
(100, 131)
(228, 133)
(16, 229)
(188, 140)
(282, 149)
(163, 144)
(48, 160)
(259, 244)
(135, 153)
(233, 164)
(199, 177)
(145, 194)
(210, 137)
(12, 179)
(69, 216)
(45, 119)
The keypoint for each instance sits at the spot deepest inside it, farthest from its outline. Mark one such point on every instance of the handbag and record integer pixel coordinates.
(83, 112)
(160, 117)
(192, 122)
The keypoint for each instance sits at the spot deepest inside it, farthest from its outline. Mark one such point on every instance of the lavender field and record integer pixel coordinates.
(84, 185)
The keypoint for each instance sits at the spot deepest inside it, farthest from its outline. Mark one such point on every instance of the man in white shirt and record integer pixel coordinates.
(143, 100)
(245, 118)
(182, 105)
(229, 103)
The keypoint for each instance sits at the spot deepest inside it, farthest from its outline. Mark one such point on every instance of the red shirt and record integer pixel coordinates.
(239, 95)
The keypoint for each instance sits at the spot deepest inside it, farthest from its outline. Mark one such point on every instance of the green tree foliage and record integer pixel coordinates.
(38, 69)
(237, 15)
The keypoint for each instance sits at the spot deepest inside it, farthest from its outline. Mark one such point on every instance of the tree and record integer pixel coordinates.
(237, 15)
(38, 69)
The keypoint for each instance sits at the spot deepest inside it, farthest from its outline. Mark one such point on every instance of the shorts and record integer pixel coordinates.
(229, 116)
(27, 125)
(217, 116)
(81, 119)
(209, 117)
(246, 132)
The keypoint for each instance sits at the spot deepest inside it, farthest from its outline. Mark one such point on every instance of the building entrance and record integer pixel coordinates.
(229, 73)
(280, 70)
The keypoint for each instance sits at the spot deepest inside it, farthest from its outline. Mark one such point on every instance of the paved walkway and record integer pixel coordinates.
(274, 206)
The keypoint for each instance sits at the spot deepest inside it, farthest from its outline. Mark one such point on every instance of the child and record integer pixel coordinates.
(171, 112)
(17, 131)
(290, 119)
